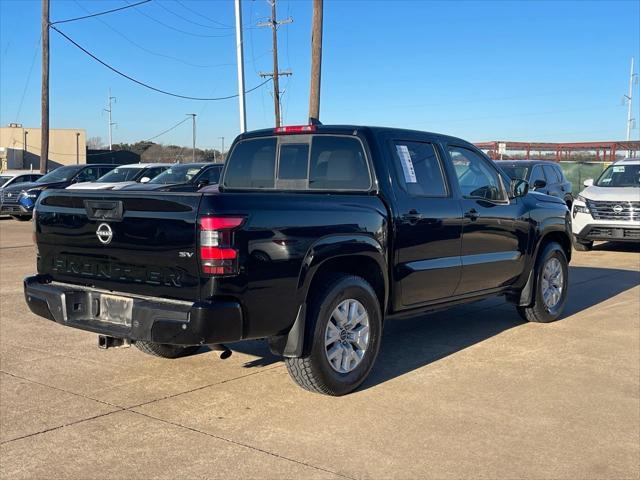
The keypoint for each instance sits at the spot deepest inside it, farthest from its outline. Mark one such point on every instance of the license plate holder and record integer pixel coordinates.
(116, 309)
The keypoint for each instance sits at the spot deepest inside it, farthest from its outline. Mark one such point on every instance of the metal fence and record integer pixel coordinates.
(578, 172)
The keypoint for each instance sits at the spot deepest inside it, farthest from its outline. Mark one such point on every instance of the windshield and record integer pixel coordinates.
(515, 172)
(120, 175)
(4, 179)
(620, 176)
(61, 174)
(177, 174)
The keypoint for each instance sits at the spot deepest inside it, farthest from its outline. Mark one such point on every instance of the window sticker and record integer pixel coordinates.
(618, 169)
(407, 164)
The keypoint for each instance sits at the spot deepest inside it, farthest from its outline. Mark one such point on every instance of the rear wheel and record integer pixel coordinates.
(552, 278)
(582, 245)
(165, 350)
(344, 327)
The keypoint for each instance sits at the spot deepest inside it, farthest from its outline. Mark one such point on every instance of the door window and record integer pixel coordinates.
(536, 174)
(477, 179)
(212, 175)
(551, 174)
(88, 175)
(419, 169)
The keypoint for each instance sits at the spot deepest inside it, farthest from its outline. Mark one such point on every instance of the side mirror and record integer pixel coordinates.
(202, 183)
(519, 188)
(144, 179)
(588, 182)
(539, 184)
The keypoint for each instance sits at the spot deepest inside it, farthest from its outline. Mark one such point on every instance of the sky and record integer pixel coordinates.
(480, 70)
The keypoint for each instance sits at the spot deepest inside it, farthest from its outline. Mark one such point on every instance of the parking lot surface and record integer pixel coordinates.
(472, 392)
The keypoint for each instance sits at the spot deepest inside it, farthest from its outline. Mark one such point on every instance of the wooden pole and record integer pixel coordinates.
(276, 81)
(44, 144)
(316, 62)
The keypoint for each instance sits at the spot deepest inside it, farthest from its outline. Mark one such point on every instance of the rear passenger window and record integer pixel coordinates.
(419, 168)
(338, 163)
(252, 164)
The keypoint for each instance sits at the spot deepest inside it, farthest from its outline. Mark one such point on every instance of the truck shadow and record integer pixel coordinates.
(411, 343)
(617, 247)
(416, 342)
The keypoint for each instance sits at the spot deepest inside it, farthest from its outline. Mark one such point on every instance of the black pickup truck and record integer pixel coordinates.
(314, 237)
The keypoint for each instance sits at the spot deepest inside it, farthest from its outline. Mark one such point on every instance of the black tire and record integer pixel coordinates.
(582, 245)
(538, 311)
(165, 350)
(313, 371)
(21, 218)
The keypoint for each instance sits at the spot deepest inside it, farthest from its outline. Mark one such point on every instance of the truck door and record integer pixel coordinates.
(428, 224)
(495, 231)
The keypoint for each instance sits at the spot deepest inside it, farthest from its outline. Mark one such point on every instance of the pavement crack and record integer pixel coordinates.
(241, 444)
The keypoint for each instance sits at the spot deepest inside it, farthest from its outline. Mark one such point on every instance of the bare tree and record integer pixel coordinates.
(95, 143)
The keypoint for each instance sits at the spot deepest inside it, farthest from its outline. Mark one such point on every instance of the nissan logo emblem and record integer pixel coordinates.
(104, 234)
(617, 208)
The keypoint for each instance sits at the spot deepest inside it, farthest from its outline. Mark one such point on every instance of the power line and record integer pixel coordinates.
(170, 27)
(203, 15)
(167, 130)
(100, 13)
(189, 20)
(113, 69)
(151, 52)
(26, 84)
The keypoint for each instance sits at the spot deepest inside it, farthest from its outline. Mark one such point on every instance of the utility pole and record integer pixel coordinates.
(240, 61)
(629, 99)
(111, 124)
(222, 151)
(193, 136)
(44, 126)
(274, 23)
(316, 62)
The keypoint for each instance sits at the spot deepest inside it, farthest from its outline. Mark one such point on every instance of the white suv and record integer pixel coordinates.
(609, 208)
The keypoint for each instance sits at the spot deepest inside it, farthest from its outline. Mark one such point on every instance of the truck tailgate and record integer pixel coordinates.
(131, 242)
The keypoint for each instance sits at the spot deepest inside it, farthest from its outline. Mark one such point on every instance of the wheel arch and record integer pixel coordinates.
(358, 255)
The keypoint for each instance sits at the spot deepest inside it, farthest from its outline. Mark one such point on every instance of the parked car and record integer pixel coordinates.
(19, 200)
(374, 223)
(13, 178)
(609, 208)
(123, 176)
(543, 176)
(183, 177)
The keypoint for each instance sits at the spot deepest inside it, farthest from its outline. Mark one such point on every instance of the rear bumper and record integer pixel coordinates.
(152, 319)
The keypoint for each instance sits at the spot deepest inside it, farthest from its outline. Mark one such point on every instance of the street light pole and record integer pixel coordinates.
(193, 136)
(240, 61)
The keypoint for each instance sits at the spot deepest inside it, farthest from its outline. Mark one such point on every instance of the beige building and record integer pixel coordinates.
(20, 147)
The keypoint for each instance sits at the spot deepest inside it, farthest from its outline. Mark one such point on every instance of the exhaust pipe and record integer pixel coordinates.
(225, 352)
(104, 341)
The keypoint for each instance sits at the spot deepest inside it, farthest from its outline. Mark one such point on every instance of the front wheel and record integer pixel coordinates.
(21, 218)
(343, 331)
(165, 350)
(552, 279)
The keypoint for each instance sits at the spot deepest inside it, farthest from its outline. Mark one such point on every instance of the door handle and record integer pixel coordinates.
(472, 215)
(412, 217)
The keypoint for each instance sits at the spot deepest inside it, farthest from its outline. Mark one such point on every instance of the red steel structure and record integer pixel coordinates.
(604, 151)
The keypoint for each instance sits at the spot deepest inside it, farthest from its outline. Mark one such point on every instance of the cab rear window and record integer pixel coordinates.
(306, 162)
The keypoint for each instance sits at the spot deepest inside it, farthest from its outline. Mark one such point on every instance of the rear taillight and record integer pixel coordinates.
(296, 129)
(217, 255)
